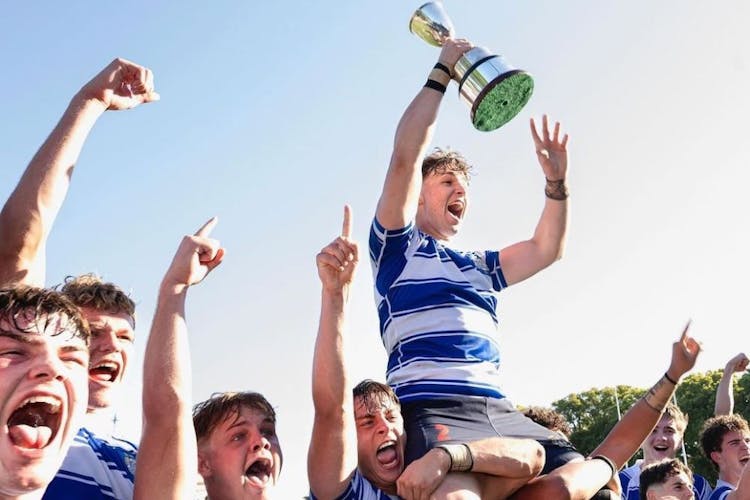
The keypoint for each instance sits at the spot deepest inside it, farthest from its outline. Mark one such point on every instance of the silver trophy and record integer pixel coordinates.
(494, 90)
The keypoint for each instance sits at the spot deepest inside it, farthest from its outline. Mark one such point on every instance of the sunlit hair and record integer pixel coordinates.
(374, 394)
(89, 290)
(25, 308)
(548, 418)
(660, 472)
(441, 161)
(680, 419)
(714, 429)
(222, 406)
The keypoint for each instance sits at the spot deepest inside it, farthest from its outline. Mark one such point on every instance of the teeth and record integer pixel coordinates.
(49, 400)
(106, 364)
(386, 445)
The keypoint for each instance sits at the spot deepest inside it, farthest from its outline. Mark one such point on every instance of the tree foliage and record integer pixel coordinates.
(593, 413)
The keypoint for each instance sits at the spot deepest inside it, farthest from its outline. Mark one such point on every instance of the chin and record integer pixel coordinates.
(97, 403)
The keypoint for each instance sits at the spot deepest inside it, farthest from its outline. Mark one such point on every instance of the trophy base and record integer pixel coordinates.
(501, 100)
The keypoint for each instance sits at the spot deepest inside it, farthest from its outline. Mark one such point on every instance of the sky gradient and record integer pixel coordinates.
(274, 115)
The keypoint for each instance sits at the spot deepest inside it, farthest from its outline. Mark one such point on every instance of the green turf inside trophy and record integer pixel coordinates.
(495, 91)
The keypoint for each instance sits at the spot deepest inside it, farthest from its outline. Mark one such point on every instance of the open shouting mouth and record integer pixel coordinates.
(105, 371)
(260, 472)
(35, 422)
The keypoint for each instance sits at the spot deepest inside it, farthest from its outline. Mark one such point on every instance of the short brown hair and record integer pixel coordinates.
(222, 405)
(441, 161)
(548, 418)
(89, 290)
(714, 429)
(374, 394)
(660, 472)
(680, 419)
(25, 301)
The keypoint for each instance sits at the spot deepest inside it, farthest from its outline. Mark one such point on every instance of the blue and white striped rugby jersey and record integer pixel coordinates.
(437, 312)
(95, 467)
(723, 489)
(630, 479)
(360, 488)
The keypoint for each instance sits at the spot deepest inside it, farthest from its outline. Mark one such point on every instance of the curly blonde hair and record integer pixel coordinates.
(441, 161)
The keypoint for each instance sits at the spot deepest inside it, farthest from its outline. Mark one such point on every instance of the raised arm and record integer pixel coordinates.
(629, 433)
(167, 457)
(398, 201)
(331, 459)
(581, 480)
(725, 391)
(742, 492)
(526, 258)
(28, 215)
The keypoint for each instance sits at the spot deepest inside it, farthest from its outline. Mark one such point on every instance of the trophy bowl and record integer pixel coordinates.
(493, 89)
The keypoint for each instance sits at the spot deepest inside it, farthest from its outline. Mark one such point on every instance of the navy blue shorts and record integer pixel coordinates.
(463, 419)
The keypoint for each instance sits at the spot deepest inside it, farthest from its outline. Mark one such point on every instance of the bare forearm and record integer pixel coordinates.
(168, 448)
(167, 359)
(45, 182)
(28, 215)
(330, 392)
(167, 462)
(398, 202)
(549, 235)
(743, 486)
(330, 461)
(627, 435)
(507, 457)
(526, 258)
(725, 395)
(415, 129)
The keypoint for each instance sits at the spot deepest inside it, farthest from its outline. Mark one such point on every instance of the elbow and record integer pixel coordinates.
(554, 251)
(537, 458)
(165, 405)
(559, 253)
(532, 462)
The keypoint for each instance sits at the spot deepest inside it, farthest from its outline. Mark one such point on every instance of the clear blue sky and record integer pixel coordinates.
(273, 115)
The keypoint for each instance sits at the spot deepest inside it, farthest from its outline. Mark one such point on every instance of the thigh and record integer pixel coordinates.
(510, 422)
(431, 422)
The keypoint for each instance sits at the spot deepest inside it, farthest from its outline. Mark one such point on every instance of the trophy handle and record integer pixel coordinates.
(431, 23)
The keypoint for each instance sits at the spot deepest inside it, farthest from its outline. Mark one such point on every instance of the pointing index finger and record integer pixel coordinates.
(685, 331)
(346, 229)
(206, 228)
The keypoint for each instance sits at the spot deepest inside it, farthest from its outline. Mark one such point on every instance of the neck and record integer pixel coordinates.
(434, 234)
(729, 477)
(389, 488)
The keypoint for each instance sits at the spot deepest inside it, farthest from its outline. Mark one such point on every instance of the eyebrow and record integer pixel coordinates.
(35, 339)
(26, 338)
(239, 422)
(74, 348)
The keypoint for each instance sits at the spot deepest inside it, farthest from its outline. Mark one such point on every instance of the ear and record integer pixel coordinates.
(650, 495)
(204, 465)
(715, 457)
